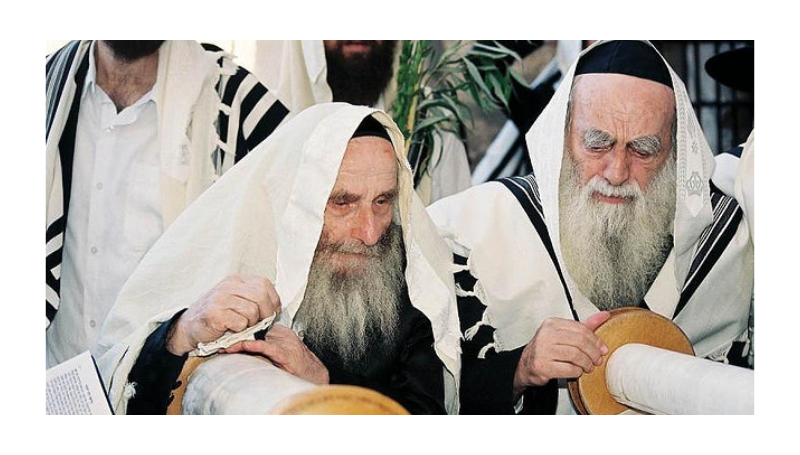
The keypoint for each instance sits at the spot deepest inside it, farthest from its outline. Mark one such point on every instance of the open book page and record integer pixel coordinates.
(75, 387)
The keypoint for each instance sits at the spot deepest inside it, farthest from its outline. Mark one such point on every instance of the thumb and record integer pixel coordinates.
(597, 319)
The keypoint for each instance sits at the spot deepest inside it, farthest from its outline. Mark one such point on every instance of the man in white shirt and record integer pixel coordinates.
(136, 130)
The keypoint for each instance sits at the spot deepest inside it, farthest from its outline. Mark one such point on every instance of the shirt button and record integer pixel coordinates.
(92, 324)
(99, 185)
(93, 250)
(109, 129)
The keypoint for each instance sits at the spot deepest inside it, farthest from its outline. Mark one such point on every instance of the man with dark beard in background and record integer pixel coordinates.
(135, 131)
(360, 72)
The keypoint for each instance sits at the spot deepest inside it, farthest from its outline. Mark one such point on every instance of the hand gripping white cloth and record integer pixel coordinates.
(230, 338)
(264, 217)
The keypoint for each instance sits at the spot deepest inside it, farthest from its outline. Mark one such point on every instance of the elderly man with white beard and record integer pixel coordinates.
(316, 226)
(619, 212)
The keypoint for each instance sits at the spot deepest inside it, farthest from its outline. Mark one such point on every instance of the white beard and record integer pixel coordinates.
(615, 251)
(351, 311)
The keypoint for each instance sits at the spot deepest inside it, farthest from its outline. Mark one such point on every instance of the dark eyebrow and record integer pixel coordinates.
(391, 195)
(594, 138)
(648, 144)
(344, 197)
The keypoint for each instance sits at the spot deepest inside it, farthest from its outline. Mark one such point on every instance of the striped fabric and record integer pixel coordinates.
(249, 113)
(712, 243)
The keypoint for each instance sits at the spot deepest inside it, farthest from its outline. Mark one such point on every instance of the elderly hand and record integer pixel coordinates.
(235, 304)
(283, 347)
(561, 348)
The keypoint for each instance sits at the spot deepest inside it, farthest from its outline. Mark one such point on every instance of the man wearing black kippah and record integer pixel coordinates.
(619, 212)
(316, 228)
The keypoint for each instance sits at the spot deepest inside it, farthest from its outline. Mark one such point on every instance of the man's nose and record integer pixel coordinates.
(617, 168)
(368, 228)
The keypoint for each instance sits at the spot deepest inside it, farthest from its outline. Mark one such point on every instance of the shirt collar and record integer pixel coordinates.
(90, 83)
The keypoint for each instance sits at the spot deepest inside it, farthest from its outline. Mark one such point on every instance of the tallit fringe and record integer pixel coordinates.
(721, 355)
(460, 292)
(470, 333)
(128, 392)
(455, 268)
(226, 69)
(484, 350)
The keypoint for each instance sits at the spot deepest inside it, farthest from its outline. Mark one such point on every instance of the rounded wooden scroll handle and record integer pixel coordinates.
(176, 396)
(589, 392)
(339, 400)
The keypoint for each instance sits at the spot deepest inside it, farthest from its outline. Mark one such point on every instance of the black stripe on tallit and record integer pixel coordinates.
(720, 233)
(512, 152)
(50, 310)
(250, 100)
(58, 226)
(723, 209)
(53, 282)
(66, 145)
(523, 188)
(233, 86)
(269, 121)
(223, 120)
(241, 146)
(63, 60)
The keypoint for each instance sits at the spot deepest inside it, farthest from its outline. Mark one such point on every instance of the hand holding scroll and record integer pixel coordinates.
(561, 348)
(288, 352)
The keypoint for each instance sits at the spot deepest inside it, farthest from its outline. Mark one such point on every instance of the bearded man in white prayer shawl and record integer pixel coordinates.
(618, 212)
(320, 221)
(361, 73)
(135, 131)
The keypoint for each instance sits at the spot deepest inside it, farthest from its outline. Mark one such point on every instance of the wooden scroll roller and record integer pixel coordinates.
(589, 392)
(340, 400)
(247, 384)
(651, 368)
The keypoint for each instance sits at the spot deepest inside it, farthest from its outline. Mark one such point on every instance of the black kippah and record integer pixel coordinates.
(734, 68)
(633, 58)
(371, 127)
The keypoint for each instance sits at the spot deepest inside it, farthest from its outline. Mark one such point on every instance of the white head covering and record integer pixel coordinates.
(695, 166)
(264, 217)
(516, 279)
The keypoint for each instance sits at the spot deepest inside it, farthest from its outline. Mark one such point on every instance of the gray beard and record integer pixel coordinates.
(349, 312)
(614, 252)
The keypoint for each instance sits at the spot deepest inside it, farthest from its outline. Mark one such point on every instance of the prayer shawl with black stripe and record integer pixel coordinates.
(509, 233)
(211, 113)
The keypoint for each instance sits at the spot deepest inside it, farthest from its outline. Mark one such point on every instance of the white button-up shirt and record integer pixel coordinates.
(114, 213)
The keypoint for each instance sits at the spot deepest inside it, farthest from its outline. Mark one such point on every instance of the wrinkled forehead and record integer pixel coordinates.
(369, 163)
(613, 101)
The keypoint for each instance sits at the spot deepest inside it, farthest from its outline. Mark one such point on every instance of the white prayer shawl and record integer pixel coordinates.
(264, 217)
(303, 82)
(518, 282)
(744, 189)
(188, 107)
